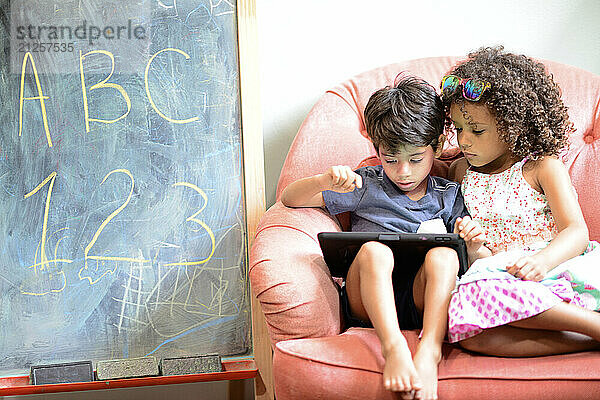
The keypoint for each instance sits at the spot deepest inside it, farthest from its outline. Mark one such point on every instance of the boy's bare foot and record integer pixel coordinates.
(399, 373)
(426, 363)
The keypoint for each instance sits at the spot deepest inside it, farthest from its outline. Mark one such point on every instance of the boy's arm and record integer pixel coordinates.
(305, 192)
(308, 192)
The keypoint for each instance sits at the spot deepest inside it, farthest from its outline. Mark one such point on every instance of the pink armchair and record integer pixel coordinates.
(314, 358)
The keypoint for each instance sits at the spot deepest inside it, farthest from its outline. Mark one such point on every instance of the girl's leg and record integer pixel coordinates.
(508, 341)
(565, 317)
(371, 297)
(432, 291)
(564, 328)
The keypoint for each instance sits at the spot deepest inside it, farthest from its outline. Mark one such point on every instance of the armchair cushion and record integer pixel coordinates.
(290, 277)
(350, 365)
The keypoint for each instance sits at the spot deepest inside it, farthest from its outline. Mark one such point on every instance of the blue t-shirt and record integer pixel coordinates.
(380, 206)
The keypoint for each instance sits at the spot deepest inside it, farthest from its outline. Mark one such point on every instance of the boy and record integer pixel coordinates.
(405, 124)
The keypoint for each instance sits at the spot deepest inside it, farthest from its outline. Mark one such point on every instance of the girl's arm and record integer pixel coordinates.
(458, 169)
(474, 237)
(308, 192)
(552, 177)
(470, 230)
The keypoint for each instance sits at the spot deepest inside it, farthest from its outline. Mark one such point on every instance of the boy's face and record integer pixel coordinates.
(409, 167)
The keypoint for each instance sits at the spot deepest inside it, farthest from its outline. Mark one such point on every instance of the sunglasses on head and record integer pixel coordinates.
(472, 89)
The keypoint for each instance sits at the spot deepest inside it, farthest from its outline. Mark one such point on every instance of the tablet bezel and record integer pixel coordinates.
(334, 244)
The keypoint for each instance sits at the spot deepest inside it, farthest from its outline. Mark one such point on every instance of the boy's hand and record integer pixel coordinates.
(530, 268)
(342, 179)
(471, 232)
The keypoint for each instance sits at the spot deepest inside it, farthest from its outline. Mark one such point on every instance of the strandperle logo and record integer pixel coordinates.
(55, 35)
(84, 31)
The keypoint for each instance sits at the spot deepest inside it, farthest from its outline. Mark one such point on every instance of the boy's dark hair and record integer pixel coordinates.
(530, 115)
(410, 113)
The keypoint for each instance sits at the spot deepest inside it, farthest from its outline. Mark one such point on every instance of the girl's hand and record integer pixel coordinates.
(471, 232)
(530, 268)
(474, 237)
(342, 179)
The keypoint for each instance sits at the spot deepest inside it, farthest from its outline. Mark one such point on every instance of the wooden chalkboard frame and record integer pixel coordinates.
(257, 365)
(252, 144)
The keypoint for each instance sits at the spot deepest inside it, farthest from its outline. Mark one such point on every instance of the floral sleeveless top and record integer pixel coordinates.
(510, 211)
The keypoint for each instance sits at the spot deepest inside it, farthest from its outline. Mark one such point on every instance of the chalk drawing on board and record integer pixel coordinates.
(121, 186)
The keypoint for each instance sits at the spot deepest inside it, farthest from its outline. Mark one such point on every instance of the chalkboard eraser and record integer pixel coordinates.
(191, 365)
(126, 368)
(80, 371)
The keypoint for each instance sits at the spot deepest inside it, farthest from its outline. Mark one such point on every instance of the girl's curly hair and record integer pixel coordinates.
(530, 115)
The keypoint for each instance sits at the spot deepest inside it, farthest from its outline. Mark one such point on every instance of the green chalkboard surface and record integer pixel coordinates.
(122, 216)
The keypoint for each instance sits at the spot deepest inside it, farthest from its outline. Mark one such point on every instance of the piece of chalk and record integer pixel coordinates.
(191, 365)
(126, 368)
(80, 371)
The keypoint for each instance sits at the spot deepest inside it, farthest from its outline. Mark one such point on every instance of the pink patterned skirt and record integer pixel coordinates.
(487, 296)
(489, 303)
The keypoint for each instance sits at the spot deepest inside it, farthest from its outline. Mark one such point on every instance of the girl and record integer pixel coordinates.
(511, 126)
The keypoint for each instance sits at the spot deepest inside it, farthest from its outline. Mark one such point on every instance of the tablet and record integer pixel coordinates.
(340, 248)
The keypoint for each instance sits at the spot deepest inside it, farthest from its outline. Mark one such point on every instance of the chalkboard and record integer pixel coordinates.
(122, 208)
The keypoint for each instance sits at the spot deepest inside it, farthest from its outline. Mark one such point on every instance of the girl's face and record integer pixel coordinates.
(409, 167)
(478, 137)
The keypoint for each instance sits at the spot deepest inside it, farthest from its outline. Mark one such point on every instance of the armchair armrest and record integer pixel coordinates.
(289, 276)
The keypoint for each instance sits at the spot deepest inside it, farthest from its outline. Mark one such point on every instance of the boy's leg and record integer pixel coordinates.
(432, 291)
(371, 298)
(564, 328)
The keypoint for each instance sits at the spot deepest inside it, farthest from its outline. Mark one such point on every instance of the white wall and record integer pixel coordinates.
(310, 45)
